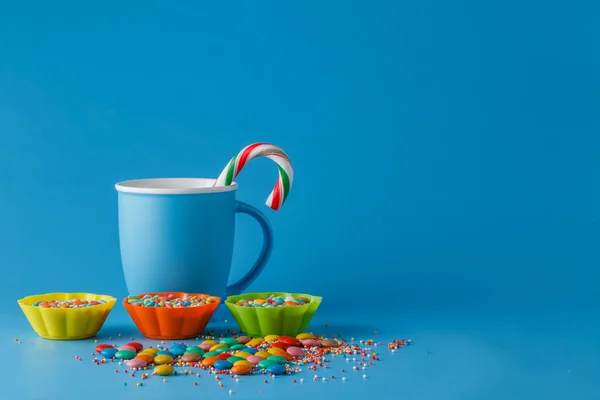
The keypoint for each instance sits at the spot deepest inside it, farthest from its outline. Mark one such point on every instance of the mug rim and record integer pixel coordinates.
(173, 186)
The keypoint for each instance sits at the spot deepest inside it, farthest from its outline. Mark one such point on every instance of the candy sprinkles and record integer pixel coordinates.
(170, 301)
(234, 356)
(273, 301)
(75, 303)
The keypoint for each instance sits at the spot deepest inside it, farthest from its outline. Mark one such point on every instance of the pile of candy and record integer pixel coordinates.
(75, 303)
(273, 301)
(242, 355)
(170, 301)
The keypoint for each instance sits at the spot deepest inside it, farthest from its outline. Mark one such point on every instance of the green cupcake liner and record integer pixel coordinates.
(287, 320)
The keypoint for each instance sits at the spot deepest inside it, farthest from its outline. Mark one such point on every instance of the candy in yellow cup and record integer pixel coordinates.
(66, 323)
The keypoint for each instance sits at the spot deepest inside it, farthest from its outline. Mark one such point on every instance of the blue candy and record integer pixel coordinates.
(168, 353)
(275, 369)
(109, 352)
(251, 350)
(222, 364)
(178, 351)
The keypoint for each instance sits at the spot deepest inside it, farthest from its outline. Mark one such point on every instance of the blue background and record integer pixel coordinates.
(446, 157)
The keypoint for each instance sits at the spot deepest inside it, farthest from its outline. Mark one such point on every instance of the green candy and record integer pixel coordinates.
(277, 359)
(266, 363)
(222, 350)
(124, 354)
(233, 359)
(238, 347)
(229, 341)
(194, 349)
(210, 354)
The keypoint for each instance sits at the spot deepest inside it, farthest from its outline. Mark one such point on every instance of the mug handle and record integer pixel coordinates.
(265, 252)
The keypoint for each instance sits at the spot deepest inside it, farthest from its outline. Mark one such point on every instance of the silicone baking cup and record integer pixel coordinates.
(66, 323)
(172, 323)
(284, 320)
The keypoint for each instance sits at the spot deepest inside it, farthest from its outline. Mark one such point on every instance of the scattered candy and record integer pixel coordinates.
(163, 370)
(271, 356)
(109, 352)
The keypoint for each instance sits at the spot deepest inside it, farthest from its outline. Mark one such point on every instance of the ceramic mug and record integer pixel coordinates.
(176, 234)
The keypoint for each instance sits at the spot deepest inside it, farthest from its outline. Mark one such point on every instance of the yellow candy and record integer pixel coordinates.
(218, 346)
(271, 338)
(243, 362)
(150, 350)
(210, 342)
(163, 370)
(259, 301)
(242, 354)
(274, 351)
(163, 359)
(254, 342)
(263, 354)
(303, 336)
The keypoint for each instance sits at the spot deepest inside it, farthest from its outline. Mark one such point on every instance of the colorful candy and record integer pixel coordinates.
(295, 351)
(101, 347)
(137, 363)
(286, 172)
(75, 303)
(241, 369)
(163, 370)
(222, 364)
(276, 369)
(137, 346)
(191, 357)
(273, 301)
(124, 354)
(109, 352)
(163, 359)
(170, 300)
(272, 355)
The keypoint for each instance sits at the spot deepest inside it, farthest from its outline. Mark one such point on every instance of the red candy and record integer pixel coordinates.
(290, 341)
(223, 356)
(137, 346)
(280, 345)
(101, 347)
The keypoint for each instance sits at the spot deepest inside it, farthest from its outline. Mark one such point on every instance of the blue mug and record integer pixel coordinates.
(176, 235)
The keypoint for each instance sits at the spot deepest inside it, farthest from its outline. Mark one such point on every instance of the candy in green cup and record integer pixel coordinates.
(283, 320)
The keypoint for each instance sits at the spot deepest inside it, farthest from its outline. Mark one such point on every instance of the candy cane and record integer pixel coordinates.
(286, 172)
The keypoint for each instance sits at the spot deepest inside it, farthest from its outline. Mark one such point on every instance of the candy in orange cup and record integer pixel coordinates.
(165, 323)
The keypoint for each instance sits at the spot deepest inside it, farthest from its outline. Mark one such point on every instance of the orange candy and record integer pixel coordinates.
(209, 361)
(146, 357)
(240, 369)
(279, 352)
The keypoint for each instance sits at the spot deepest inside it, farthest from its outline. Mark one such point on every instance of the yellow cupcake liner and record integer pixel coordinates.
(66, 323)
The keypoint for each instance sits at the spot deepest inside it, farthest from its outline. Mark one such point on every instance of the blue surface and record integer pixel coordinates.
(446, 172)
(454, 356)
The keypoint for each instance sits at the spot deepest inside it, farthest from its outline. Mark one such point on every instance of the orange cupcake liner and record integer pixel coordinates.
(172, 323)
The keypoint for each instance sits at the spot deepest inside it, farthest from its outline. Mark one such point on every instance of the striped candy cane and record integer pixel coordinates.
(286, 172)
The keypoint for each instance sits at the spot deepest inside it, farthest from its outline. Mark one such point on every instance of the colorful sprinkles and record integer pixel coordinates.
(170, 300)
(273, 301)
(236, 355)
(75, 303)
